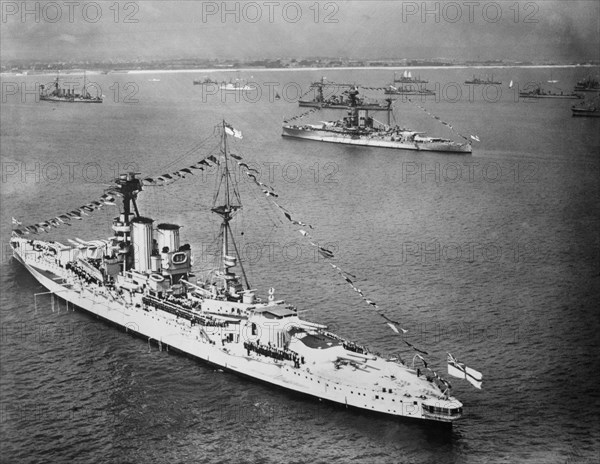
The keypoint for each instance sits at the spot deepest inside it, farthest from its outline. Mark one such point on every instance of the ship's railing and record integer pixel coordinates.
(275, 353)
(180, 311)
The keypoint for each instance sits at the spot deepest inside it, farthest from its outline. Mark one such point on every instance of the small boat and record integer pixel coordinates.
(552, 81)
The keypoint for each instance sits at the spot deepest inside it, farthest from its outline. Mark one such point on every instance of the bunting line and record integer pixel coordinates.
(65, 218)
(306, 113)
(326, 253)
(169, 178)
(394, 325)
(474, 137)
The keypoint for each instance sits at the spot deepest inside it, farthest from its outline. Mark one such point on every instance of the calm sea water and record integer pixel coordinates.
(492, 257)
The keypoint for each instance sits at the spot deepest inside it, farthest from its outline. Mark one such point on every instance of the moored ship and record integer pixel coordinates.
(142, 280)
(338, 101)
(408, 85)
(589, 109)
(406, 78)
(538, 92)
(408, 89)
(487, 81)
(236, 86)
(68, 95)
(205, 81)
(358, 128)
(587, 85)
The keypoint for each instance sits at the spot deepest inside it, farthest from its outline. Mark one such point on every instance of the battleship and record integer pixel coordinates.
(538, 92)
(141, 280)
(358, 128)
(588, 85)
(478, 81)
(341, 101)
(58, 94)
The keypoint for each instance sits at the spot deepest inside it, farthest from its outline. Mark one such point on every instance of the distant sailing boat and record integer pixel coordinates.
(552, 81)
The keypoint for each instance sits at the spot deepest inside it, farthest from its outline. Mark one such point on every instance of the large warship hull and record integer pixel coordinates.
(172, 332)
(380, 142)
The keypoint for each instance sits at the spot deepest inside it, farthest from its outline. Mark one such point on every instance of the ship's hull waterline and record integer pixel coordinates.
(559, 97)
(348, 139)
(169, 331)
(70, 100)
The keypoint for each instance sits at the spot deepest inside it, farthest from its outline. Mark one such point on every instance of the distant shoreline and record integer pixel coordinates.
(325, 68)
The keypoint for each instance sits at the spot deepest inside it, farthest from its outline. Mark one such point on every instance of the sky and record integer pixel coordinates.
(147, 30)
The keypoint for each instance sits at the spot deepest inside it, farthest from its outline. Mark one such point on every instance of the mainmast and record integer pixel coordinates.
(226, 202)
